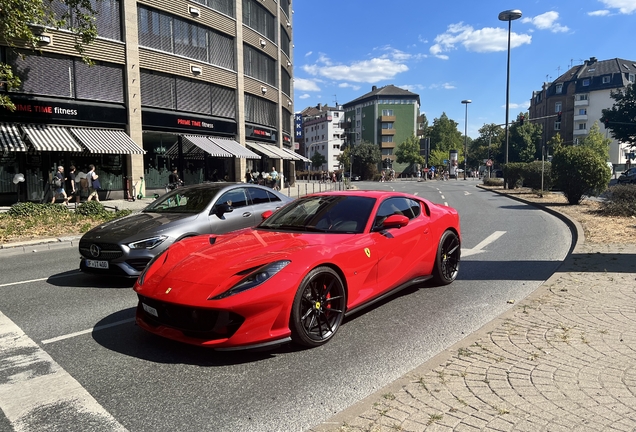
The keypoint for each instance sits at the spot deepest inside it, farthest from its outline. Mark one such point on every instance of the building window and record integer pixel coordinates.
(557, 107)
(387, 138)
(258, 65)
(583, 111)
(630, 78)
(258, 18)
(386, 125)
(224, 6)
(358, 111)
(559, 88)
(581, 97)
(557, 125)
(387, 112)
(586, 82)
(606, 79)
(357, 123)
(582, 126)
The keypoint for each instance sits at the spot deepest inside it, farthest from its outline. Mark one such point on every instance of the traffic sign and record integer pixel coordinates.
(489, 162)
(445, 161)
(433, 168)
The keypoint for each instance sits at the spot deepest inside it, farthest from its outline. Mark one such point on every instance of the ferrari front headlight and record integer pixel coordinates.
(148, 243)
(254, 279)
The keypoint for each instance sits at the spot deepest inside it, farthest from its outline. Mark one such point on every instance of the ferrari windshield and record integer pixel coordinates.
(323, 214)
(185, 200)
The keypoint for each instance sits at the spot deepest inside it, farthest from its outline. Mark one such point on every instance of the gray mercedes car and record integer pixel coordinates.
(124, 246)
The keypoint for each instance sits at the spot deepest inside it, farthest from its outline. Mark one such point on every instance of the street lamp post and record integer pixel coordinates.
(466, 102)
(508, 15)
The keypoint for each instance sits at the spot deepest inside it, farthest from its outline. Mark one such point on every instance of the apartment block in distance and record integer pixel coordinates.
(580, 95)
(386, 116)
(323, 133)
(201, 85)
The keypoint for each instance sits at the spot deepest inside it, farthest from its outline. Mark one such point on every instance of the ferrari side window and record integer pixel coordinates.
(394, 206)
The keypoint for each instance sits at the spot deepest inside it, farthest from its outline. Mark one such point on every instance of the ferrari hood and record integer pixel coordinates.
(210, 269)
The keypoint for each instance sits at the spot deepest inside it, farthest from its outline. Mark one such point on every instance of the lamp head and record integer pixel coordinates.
(510, 15)
(466, 101)
(18, 178)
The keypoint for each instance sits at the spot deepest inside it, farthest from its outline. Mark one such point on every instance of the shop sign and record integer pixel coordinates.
(181, 122)
(65, 112)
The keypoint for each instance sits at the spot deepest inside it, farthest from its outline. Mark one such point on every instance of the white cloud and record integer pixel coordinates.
(487, 39)
(523, 106)
(623, 6)
(303, 84)
(304, 96)
(309, 53)
(368, 71)
(603, 12)
(445, 86)
(547, 21)
(412, 87)
(351, 86)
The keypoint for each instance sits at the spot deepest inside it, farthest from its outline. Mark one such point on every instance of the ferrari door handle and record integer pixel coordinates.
(247, 214)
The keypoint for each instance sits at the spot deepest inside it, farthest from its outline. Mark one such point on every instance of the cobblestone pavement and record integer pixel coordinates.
(563, 359)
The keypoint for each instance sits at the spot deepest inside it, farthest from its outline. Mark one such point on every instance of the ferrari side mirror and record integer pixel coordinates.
(395, 221)
(267, 214)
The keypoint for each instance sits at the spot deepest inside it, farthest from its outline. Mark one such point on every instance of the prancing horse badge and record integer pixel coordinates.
(368, 252)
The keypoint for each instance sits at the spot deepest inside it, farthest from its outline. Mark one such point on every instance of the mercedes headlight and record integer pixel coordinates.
(148, 243)
(254, 279)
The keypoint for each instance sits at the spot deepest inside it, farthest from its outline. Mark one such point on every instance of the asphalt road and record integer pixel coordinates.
(111, 375)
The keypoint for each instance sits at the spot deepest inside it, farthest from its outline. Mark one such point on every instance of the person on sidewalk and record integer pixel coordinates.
(58, 185)
(74, 180)
(93, 183)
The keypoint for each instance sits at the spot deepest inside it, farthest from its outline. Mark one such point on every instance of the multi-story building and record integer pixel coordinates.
(573, 102)
(386, 116)
(323, 133)
(201, 85)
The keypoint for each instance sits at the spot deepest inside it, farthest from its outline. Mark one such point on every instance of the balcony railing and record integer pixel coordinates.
(387, 118)
(581, 102)
(580, 117)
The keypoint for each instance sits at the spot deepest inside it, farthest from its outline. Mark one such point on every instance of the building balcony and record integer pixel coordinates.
(581, 103)
(387, 132)
(387, 145)
(387, 118)
(580, 117)
(579, 132)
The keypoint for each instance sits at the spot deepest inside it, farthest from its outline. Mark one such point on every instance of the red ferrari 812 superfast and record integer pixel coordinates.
(299, 272)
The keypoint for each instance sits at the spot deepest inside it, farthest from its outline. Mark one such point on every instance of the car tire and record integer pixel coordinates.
(447, 259)
(318, 308)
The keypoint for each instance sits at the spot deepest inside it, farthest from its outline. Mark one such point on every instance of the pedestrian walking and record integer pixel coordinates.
(58, 185)
(93, 183)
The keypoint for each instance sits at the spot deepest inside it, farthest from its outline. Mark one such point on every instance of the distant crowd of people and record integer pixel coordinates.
(75, 185)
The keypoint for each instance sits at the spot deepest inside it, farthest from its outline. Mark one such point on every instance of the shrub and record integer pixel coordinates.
(579, 171)
(532, 173)
(493, 181)
(26, 209)
(619, 201)
(92, 209)
(512, 173)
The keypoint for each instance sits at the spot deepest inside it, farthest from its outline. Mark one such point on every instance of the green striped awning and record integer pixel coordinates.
(10, 138)
(112, 141)
(51, 138)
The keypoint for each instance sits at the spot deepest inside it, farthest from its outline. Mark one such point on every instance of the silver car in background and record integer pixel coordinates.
(123, 247)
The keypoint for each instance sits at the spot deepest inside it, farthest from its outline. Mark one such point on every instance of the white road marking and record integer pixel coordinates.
(38, 280)
(33, 388)
(442, 197)
(467, 193)
(83, 332)
(478, 249)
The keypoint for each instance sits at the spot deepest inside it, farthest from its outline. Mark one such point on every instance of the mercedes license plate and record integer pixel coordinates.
(97, 264)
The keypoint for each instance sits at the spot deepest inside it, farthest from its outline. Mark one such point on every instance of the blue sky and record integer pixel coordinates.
(451, 50)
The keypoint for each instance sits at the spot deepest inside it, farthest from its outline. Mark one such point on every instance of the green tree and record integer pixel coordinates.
(487, 145)
(437, 157)
(524, 141)
(621, 117)
(595, 141)
(366, 157)
(21, 23)
(317, 160)
(579, 171)
(444, 135)
(409, 151)
(344, 158)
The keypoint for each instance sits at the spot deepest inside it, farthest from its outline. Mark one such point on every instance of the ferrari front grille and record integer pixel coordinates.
(199, 323)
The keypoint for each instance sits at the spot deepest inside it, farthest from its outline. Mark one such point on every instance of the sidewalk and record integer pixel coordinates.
(563, 359)
(300, 188)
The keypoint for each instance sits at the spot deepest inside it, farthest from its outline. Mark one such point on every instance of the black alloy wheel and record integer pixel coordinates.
(447, 259)
(318, 308)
